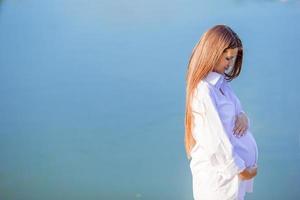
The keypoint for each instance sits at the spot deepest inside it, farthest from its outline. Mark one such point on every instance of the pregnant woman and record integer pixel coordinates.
(218, 140)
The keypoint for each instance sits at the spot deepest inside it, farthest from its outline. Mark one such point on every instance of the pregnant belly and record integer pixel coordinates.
(246, 148)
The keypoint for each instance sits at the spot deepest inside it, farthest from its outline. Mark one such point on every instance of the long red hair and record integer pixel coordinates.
(204, 57)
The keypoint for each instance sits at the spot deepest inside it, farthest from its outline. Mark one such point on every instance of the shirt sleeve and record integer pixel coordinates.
(213, 137)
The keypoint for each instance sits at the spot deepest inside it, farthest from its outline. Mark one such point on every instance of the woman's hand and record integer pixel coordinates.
(248, 173)
(241, 124)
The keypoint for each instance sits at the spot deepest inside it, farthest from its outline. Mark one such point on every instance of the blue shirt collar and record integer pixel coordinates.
(214, 78)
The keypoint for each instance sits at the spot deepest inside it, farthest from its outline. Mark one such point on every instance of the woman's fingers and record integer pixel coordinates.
(237, 129)
(240, 131)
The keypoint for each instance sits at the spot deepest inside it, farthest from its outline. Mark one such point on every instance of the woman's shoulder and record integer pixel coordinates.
(203, 89)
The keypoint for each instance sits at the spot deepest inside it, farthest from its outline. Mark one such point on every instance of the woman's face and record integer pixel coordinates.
(227, 60)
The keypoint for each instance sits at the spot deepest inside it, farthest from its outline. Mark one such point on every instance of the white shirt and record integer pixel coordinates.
(219, 156)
